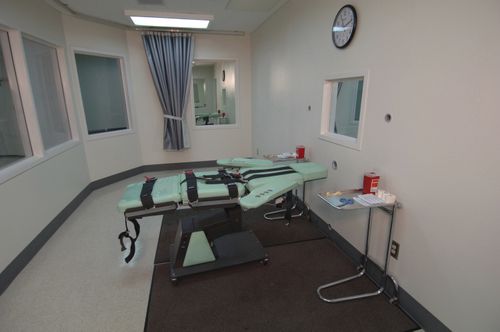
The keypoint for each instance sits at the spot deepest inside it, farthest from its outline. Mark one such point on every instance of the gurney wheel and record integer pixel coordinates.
(264, 261)
(174, 281)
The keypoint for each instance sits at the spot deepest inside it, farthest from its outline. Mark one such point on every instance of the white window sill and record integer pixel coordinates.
(24, 165)
(349, 142)
(110, 134)
(215, 127)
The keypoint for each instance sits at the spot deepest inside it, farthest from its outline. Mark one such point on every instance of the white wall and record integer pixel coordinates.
(437, 72)
(206, 143)
(112, 154)
(28, 202)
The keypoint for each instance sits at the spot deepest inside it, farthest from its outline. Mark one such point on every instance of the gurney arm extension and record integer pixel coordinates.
(265, 193)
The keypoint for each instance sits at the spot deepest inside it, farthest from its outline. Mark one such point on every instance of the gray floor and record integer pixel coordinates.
(78, 281)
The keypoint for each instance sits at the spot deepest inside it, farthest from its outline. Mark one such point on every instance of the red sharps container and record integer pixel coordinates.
(370, 183)
(300, 151)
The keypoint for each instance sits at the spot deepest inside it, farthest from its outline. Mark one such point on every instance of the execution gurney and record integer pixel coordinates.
(204, 244)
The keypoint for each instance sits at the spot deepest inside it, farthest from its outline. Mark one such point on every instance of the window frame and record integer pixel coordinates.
(16, 97)
(192, 114)
(66, 92)
(327, 108)
(38, 153)
(125, 86)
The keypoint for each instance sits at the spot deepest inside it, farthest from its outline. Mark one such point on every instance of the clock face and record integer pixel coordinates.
(344, 26)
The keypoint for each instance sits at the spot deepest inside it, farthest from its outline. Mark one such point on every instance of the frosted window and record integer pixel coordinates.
(14, 142)
(48, 94)
(101, 86)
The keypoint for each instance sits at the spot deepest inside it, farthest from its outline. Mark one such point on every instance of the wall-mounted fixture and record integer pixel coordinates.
(223, 75)
(169, 20)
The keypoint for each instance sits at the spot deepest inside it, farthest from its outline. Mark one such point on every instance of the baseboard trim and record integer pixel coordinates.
(12, 270)
(17, 265)
(406, 302)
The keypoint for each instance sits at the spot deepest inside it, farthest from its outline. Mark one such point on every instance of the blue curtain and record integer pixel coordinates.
(170, 56)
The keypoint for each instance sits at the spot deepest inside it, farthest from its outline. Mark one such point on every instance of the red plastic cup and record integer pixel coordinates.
(300, 151)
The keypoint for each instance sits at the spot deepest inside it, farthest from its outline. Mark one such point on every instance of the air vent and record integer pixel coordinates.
(252, 5)
(150, 2)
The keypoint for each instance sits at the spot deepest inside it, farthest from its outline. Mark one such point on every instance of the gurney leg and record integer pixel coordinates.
(290, 204)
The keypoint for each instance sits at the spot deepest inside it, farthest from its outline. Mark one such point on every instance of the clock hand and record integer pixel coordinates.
(347, 22)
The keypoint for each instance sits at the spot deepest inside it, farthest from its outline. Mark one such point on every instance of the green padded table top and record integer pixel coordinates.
(244, 162)
(206, 191)
(264, 189)
(306, 171)
(171, 190)
(165, 190)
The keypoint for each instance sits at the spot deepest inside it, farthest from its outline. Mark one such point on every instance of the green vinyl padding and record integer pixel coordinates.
(310, 171)
(170, 190)
(264, 189)
(165, 190)
(244, 162)
(273, 188)
(207, 191)
(305, 171)
(198, 250)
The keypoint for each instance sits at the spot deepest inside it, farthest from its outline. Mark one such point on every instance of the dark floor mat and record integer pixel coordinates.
(273, 233)
(278, 297)
(270, 233)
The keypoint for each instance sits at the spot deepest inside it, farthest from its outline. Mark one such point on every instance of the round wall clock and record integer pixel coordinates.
(344, 26)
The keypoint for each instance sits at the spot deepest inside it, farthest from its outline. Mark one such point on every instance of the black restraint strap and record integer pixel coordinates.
(147, 188)
(126, 234)
(232, 188)
(221, 174)
(265, 170)
(192, 186)
(222, 178)
(267, 175)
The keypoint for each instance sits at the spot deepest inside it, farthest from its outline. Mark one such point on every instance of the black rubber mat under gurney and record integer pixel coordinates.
(279, 296)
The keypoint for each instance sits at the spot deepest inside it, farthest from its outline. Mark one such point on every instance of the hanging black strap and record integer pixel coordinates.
(265, 170)
(147, 188)
(232, 188)
(267, 175)
(126, 234)
(192, 186)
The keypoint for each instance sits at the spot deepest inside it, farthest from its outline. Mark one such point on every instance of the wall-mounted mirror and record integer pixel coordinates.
(214, 92)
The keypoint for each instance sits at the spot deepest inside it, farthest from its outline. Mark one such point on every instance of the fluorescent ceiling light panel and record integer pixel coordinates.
(169, 20)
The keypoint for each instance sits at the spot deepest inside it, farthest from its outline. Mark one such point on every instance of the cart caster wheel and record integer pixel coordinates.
(264, 261)
(174, 281)
(394, 301)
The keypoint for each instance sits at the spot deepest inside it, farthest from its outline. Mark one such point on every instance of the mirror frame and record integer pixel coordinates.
(236, 96)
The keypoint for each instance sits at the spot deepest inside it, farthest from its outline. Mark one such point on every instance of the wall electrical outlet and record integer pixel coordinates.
(394, 249)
